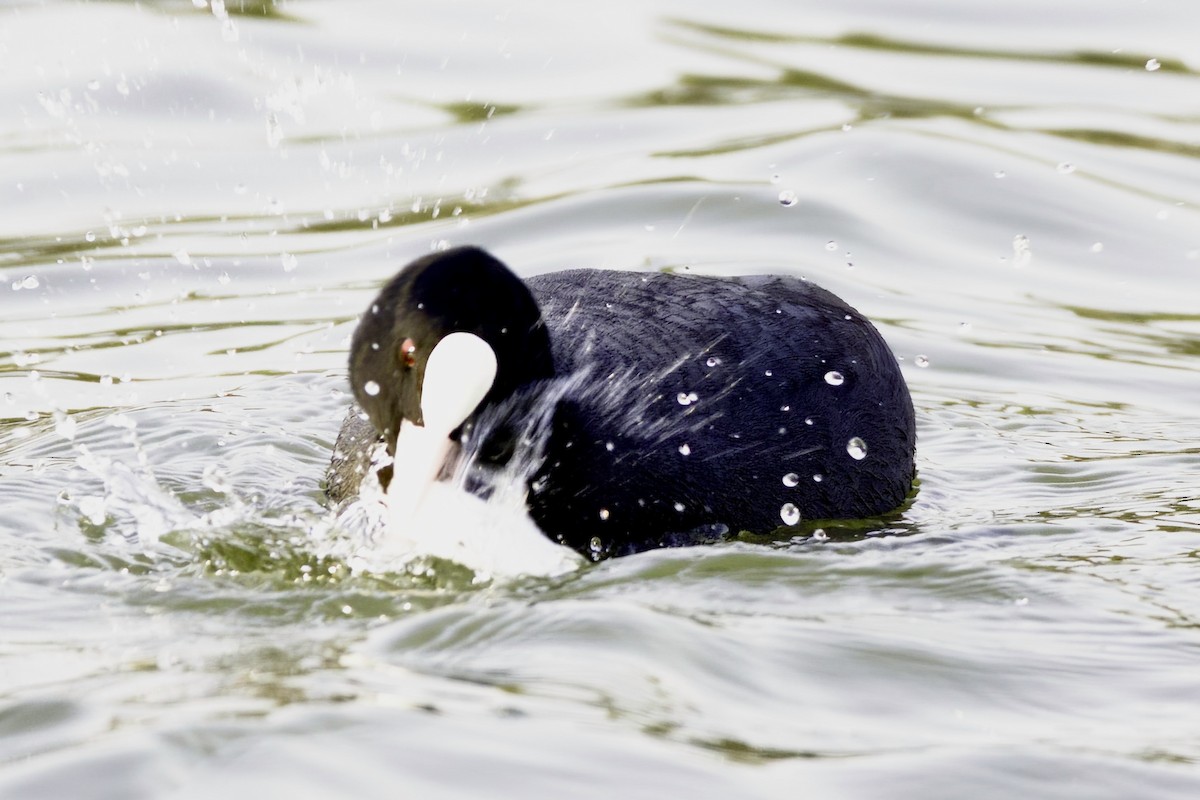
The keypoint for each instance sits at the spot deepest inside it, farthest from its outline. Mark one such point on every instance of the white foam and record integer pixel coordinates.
(495, 538)
(421, 516)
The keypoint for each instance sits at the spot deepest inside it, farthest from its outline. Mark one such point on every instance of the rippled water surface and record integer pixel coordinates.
(199, 198)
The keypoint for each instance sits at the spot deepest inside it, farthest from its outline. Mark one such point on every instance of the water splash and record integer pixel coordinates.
(493, 537)
(132, 503)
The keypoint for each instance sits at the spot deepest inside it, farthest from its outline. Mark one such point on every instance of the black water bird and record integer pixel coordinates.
(652, 409)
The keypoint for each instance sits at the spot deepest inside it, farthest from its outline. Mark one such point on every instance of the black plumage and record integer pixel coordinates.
(679, 408)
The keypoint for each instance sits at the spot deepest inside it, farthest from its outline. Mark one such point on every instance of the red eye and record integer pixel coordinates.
(408, 353)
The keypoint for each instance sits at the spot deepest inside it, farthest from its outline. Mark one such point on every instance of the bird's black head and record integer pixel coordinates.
(463, 289)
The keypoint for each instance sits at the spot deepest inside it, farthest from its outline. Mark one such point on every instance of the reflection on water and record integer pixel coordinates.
(200, 198)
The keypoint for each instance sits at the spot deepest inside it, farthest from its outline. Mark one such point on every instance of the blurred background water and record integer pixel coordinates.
(199, 197)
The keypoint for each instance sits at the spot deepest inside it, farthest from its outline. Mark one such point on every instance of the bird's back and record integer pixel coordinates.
(708, 402)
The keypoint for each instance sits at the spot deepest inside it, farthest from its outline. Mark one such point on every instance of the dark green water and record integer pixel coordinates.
(197, 203)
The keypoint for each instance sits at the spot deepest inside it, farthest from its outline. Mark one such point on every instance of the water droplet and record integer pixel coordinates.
(106, 380)
(834, 378)
(1022, 254)
(685, 450)
(87, 262)
(183, 257)
(1098, 247)
(64, 425)
(831, 246)
(122, 421)
(819, 535)
(687, 398)
(215, 479)
(28, 282)
(223, 279)
(90, 236)
(857, 448)
(713, 361)
(274, 132)
(791, 479)
(1066, 168)
(808, 420)
(768, 373)
(604, 514)
(680, 507)
(999, 174)
(1152, 65)
(289, 261)
(785, 408)
(371, 388)
(609, 446)
(818, 477)
(787, 198)
(921, 361)
(789, 514)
